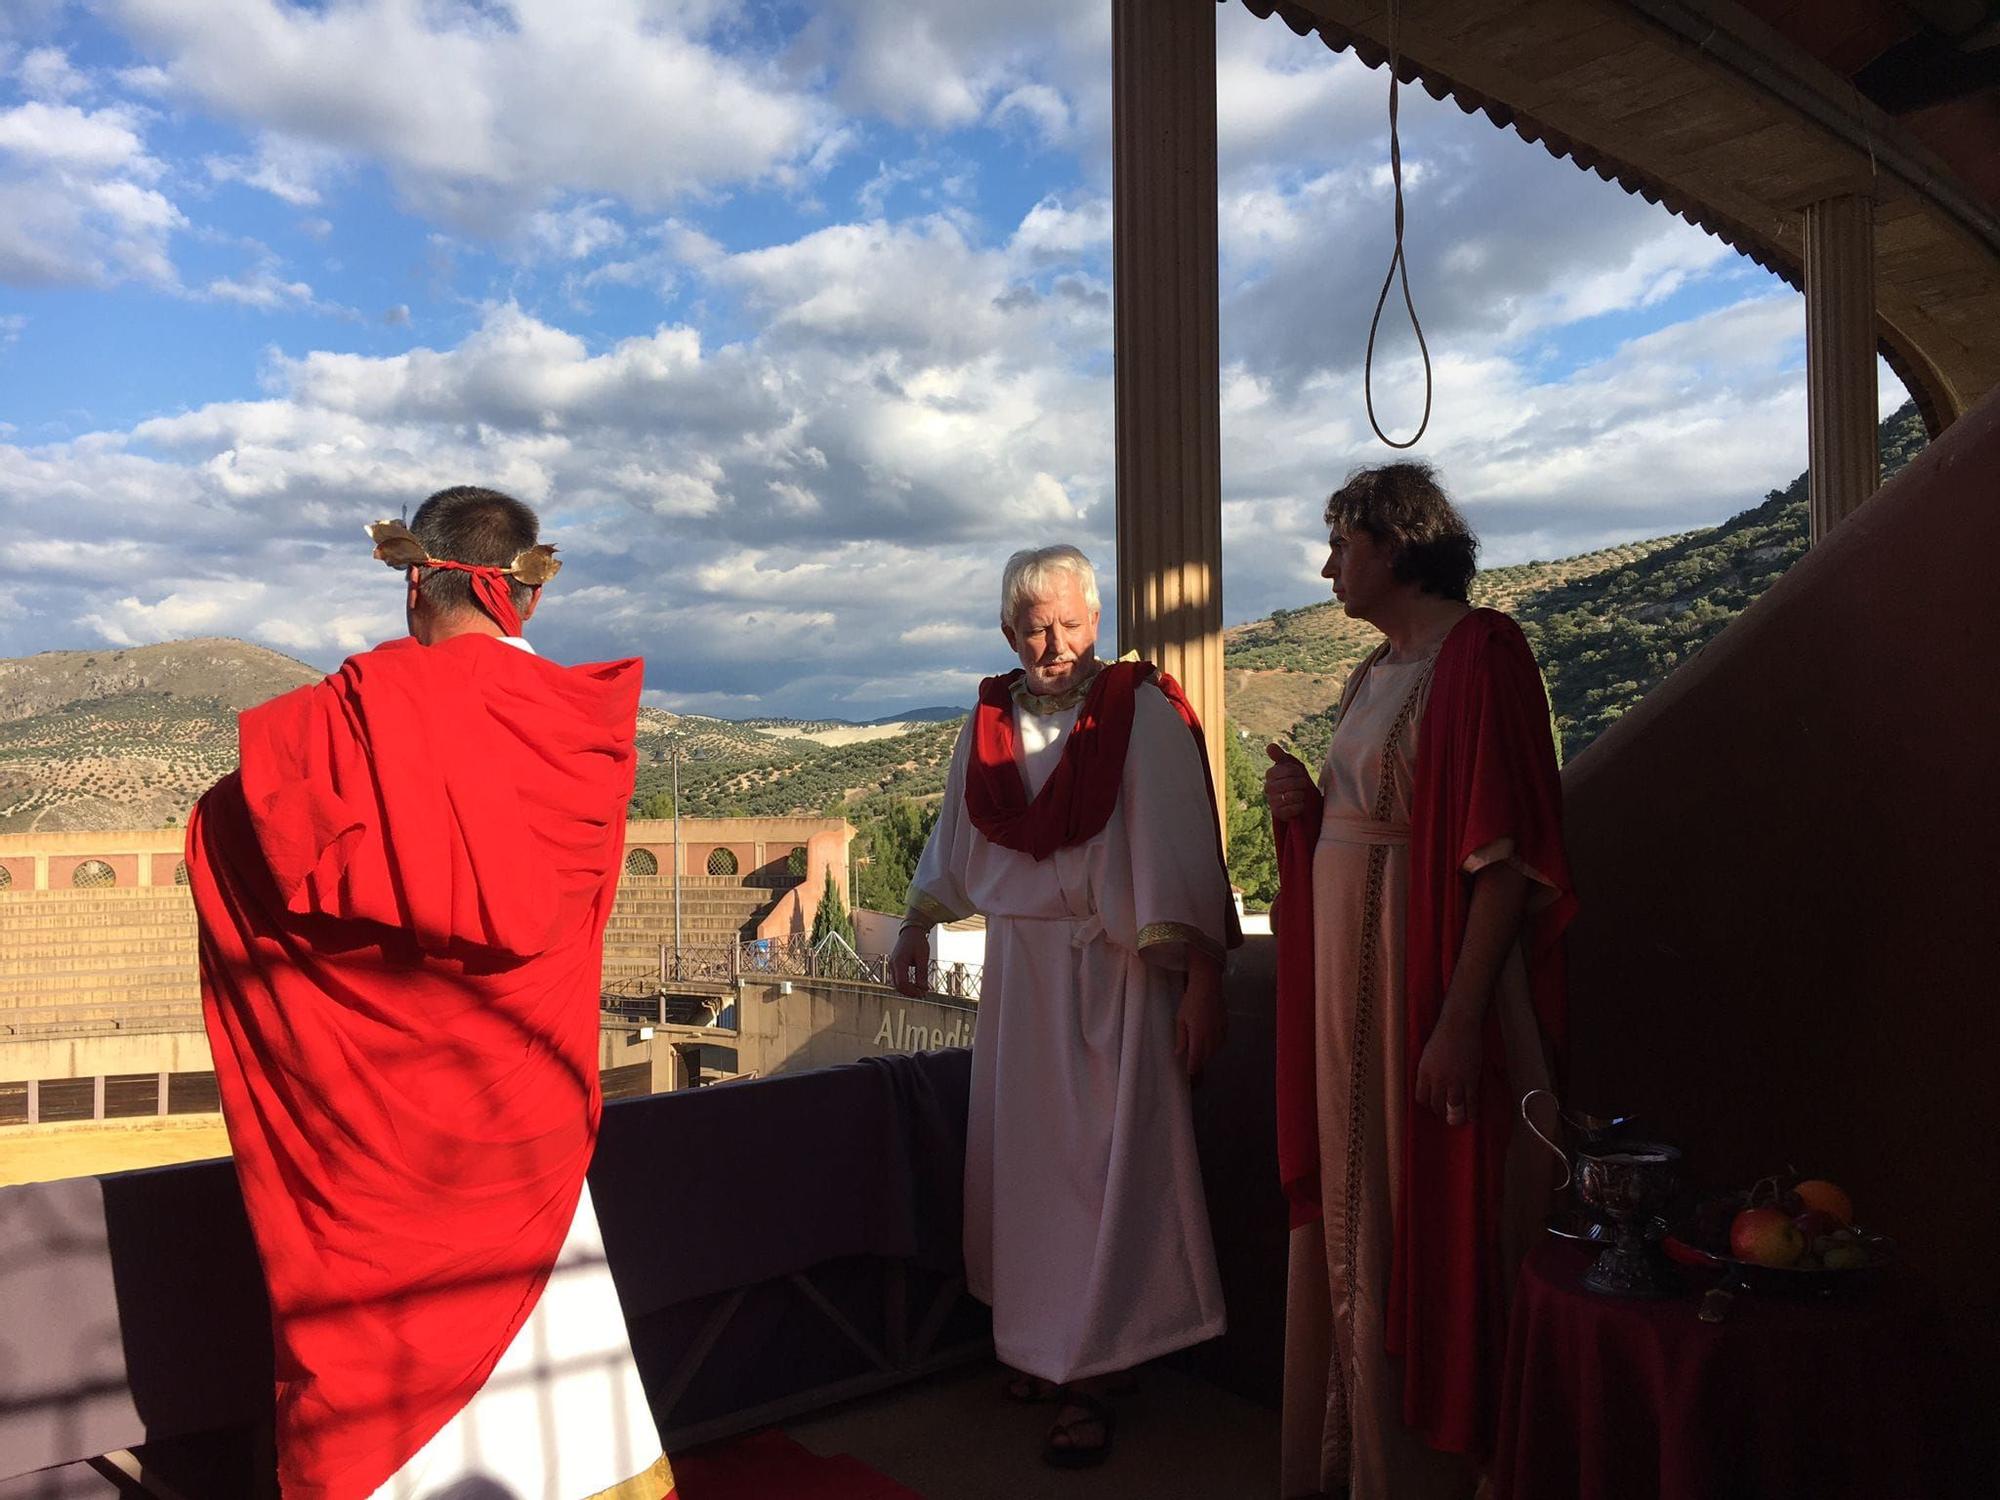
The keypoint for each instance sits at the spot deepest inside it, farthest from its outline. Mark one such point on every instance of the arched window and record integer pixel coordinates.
(642, 862)
(721, 862)
(92, 874)
(795, 863)
(180, 872)
(6, 877)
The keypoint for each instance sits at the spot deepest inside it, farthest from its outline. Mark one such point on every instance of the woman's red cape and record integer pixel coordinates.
(402, 895)
(1486, 770)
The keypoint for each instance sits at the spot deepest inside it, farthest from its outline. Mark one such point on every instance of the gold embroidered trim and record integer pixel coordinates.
(1052, 703)
(922, 906)
(654, 1482)
(1155, 933)
(1367, 975)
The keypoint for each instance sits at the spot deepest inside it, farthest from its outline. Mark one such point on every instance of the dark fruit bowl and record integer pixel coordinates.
(1798, 1281)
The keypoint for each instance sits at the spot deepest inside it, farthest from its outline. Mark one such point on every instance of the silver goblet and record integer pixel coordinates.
(1628, 1182)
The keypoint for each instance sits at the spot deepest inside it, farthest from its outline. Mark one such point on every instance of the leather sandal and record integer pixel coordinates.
(1071, 1455)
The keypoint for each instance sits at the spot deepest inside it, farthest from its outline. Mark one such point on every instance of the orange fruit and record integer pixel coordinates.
(1823, 1197)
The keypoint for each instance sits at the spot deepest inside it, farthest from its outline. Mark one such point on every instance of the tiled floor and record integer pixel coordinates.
(955, 1438)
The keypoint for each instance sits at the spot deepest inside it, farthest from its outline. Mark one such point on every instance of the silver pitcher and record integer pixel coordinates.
(1587, 1129)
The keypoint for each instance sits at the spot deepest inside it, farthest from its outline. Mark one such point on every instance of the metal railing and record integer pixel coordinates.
(833, 957)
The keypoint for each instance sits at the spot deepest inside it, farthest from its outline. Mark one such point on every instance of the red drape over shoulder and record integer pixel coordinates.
(402, 895)
(1485, 771)
(1077, 800)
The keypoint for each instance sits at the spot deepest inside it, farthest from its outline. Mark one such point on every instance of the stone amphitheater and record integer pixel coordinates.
(99, 995)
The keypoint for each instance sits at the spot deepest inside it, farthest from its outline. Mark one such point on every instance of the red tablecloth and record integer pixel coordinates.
(1613, 1399)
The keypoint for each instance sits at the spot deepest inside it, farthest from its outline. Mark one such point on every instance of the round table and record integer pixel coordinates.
(1618, 1399)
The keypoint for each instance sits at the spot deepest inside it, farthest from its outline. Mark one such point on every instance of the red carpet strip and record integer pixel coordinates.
(768, 1465)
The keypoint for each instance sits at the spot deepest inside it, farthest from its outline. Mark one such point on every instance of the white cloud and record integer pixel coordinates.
(265, 289)
(291, 170)
(1040, 107)
(944, 64)
(478, 112)
(45, 73)
(60, 230)
(1058, 231)
(79, 203)
(62, 137)
(577, 232)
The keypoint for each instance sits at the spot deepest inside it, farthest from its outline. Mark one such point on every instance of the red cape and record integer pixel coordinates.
(1076, 801)
(1486, 770)
(402, 895)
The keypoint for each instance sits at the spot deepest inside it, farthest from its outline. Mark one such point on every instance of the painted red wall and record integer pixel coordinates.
(1789, 864)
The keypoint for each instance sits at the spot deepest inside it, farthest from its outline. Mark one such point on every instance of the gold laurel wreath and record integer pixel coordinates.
(397, 546)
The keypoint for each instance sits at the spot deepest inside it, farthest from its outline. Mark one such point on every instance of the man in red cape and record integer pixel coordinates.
(1415, 1052)
(403, 892)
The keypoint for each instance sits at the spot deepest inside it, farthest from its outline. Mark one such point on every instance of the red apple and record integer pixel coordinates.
(1766, 1237)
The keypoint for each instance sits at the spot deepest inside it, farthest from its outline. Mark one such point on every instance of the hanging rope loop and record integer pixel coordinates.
(1399, 267)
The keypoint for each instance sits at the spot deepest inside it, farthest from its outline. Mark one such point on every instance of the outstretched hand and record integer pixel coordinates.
(1288, 785)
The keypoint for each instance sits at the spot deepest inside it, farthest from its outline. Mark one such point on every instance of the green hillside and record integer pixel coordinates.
(721, 777)
(1606, 641)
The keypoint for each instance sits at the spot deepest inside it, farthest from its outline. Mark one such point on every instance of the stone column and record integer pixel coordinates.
(1843, 455)
(1169, 469)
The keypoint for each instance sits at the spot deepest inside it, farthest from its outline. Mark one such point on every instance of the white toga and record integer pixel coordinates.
(1085, 1225)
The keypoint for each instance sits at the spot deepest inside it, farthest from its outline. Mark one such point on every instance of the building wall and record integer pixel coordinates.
(131, 946)
(1788, 944)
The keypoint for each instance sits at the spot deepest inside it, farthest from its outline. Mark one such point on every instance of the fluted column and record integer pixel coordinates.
(1169, 468)
(1843, 454)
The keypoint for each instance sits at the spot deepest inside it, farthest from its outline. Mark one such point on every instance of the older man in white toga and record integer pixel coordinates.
(1079, 819)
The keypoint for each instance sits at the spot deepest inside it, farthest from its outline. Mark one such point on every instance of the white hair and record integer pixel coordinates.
(1030, 575)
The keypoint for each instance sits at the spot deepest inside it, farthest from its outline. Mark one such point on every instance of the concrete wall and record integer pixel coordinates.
(820, 1023)
(87, 1056)
(1790, 928)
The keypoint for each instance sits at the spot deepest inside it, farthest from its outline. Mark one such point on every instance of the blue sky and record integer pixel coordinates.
(792, 320)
